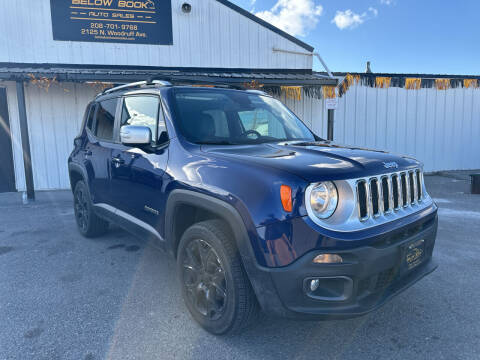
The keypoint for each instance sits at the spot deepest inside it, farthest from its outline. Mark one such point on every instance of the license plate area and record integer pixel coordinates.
(413, 254)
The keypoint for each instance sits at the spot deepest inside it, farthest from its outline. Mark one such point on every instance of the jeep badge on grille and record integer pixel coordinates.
(390, 165)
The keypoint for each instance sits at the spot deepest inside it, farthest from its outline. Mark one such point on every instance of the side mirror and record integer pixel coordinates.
(135, 135)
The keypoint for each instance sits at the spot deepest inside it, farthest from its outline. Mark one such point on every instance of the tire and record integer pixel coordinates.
(215, 287)
(89, 224)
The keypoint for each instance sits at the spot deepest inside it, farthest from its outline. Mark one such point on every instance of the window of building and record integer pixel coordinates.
(105, 119)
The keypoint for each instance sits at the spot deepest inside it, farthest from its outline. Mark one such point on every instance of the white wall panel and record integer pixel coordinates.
(440, 128)
(54, 119)
(212, 35)
(310, 110)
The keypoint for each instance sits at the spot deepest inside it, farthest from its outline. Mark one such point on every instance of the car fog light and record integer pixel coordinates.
(327, 259)
(314, 284)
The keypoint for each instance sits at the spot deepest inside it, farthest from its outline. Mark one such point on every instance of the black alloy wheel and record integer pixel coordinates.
(81, 209)
(204, 279)
(88, 222)
(214, 284)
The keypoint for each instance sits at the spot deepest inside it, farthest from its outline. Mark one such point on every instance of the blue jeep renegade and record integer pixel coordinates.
(257, 210)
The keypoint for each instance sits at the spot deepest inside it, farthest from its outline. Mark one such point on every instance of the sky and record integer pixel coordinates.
(396, 36)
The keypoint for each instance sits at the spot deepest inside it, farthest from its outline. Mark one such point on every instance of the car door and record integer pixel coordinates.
(137, 172)
(98, 149)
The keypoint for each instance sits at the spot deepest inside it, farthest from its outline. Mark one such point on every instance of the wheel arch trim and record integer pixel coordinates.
(73, 167)
(261, 281)
(219, 207)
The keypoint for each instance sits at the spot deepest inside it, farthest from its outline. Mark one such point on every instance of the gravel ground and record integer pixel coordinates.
(66, 297)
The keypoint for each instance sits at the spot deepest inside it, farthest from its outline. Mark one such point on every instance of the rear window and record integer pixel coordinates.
(91, 115)
(105, 119)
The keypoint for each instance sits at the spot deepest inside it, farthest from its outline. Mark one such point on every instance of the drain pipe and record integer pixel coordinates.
(307, 54)
(330, 118)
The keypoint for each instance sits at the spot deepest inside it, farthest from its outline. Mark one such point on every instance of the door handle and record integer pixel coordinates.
(87, 152)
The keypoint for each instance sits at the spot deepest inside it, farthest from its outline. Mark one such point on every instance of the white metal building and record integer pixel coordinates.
(47, 80)
(55, 55)
(437, 124)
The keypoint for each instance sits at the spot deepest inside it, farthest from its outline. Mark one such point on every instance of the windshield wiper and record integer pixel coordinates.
(297, 142)
(216, 143)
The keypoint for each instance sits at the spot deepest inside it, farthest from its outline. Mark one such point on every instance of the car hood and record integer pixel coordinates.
(316, 161)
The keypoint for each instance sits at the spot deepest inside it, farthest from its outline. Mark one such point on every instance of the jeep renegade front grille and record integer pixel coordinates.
(380, 195)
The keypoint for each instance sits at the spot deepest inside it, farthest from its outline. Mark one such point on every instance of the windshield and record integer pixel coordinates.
(216, 116)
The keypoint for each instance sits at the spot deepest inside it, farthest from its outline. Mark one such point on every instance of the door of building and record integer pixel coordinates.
(7, 174)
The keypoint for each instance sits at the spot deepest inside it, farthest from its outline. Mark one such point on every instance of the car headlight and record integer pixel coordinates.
(324, 199)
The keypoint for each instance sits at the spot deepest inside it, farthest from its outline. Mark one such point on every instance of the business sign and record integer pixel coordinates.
(124, 21)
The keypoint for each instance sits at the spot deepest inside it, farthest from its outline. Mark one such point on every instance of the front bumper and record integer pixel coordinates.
(369, 276)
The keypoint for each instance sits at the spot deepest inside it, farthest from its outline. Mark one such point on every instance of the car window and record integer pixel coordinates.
(142, 111)
(105, 119)
(162, 128)
(91, 115)
(220, 122)
(263, 122)
(217, 116)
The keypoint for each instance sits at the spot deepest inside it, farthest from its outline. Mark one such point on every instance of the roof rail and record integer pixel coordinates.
(136, 84)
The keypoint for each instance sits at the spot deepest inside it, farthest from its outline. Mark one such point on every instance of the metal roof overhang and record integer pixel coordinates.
(180, 76)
